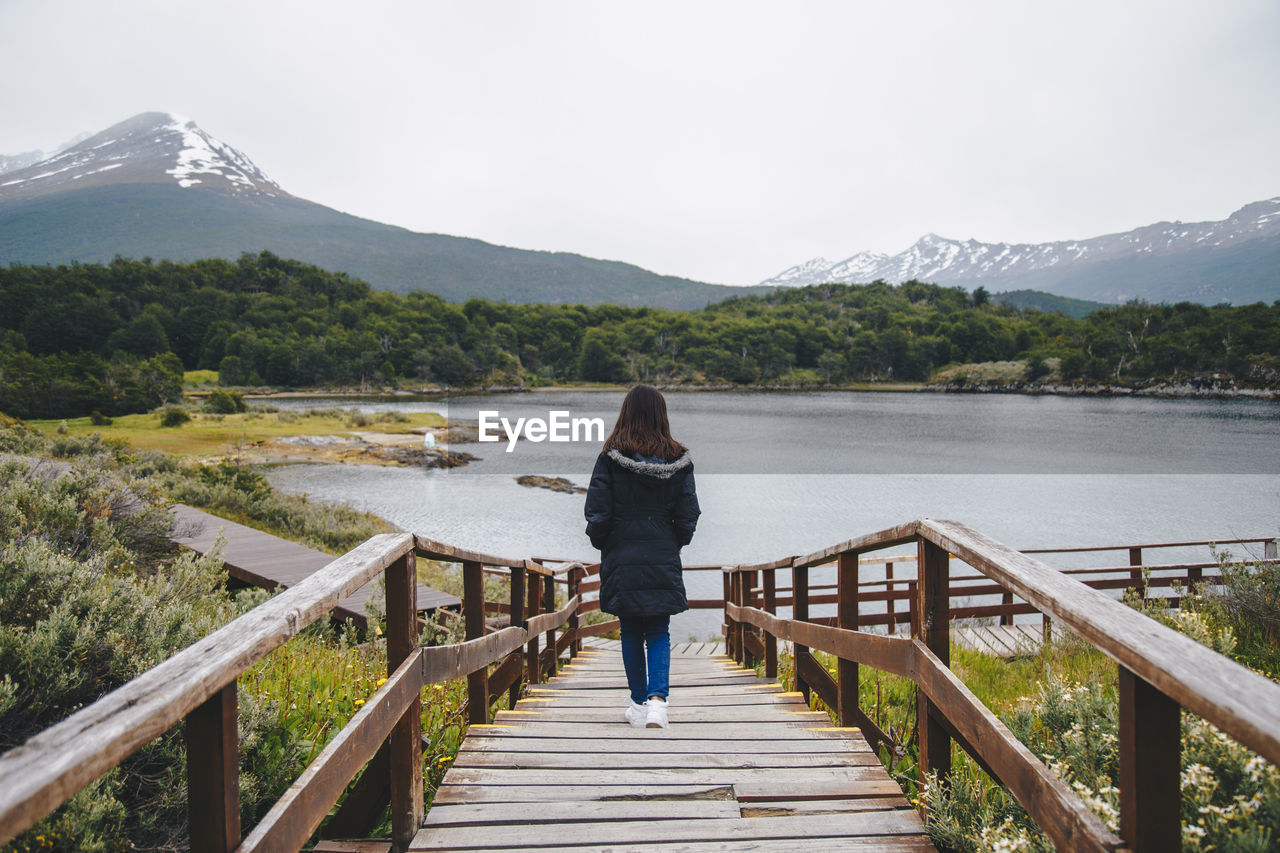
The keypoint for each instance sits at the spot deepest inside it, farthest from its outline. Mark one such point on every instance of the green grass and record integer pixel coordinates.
(200, 379)
(215, 435)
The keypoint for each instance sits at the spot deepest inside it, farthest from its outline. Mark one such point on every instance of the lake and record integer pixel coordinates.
(787, 473)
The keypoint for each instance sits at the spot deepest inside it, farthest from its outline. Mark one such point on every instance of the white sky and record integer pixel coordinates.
(721, 141)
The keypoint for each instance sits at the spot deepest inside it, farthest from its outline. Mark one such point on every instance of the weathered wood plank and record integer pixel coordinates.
(445, 663)
(602, 628)
(680, 713)
(464, 794)
(213, 780)
(507, 676)
(881, 651)
(496, 814)
(434, 550)
(818, 679)
(476, 742)
(626, 759)
(775, 779)
(678, 730)
(782, 808)
(865, 824)
(882, 844)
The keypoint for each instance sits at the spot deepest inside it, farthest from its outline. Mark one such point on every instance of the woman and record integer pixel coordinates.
(641, 510)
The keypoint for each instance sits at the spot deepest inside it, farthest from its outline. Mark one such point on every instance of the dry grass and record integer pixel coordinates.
(213, 435)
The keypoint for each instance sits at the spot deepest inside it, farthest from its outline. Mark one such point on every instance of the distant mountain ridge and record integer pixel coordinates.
(1236, 259)
(156, 185)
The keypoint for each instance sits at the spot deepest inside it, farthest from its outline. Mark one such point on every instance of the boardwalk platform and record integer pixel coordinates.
(744, 766)
(260, 559)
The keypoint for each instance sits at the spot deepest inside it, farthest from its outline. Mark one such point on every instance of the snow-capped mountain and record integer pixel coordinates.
(148, 148)
(1014, 265)
(157, 186)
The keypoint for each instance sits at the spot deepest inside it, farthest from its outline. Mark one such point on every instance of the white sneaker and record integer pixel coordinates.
(656, 718)
(636, 715)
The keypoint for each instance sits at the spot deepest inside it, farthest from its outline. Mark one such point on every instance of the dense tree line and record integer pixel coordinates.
(112, 336)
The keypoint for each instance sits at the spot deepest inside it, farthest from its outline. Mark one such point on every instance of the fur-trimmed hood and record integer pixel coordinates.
(661, 470)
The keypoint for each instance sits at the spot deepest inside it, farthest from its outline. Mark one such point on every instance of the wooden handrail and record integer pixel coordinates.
(550, 621)
(434, 550)
(445, 663)
(1160, 671)
(1204, 542)
(56, 763)
(53, 765)
(1049, 801)
(1226, 694)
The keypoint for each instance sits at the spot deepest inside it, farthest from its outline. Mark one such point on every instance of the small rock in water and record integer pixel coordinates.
(555, 484)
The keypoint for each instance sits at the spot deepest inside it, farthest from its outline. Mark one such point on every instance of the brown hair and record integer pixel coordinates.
(642, 426)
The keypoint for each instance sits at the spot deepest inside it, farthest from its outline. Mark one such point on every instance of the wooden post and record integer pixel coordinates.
(799, 612)
(890, 603)
(770, 606)
(1006, 601)
(531, 650)
(573, 619)
(727, 582)
(933, 600)
(735, 586)
(746, 583)
(1150, 763)
(517, 618)
(1271, 550)
(473, 609)
(213, 774)
(1135, 559)
(549, 595)
(406, 737)
(847, 617)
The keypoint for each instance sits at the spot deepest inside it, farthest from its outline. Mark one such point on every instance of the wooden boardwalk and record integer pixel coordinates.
(260, 559)
(744, 766)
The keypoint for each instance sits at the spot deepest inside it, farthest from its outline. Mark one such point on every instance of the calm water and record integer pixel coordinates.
(783, 474)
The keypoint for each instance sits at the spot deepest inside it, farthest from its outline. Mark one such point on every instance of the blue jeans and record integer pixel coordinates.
(641, 634)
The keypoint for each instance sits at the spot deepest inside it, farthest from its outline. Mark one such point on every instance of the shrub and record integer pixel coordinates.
(98, 419)
(224, 403)
(174, 416)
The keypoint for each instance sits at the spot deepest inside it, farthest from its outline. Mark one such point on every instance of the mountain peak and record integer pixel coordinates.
(1078, 267)
(151, 147)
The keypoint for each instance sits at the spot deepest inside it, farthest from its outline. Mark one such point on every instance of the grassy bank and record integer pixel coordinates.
(208, 434)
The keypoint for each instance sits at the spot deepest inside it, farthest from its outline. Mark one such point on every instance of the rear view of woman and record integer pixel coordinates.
(641, 510)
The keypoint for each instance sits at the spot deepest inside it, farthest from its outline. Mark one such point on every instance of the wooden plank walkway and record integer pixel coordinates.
(744, 766)
(1001, 641)
(260, 559)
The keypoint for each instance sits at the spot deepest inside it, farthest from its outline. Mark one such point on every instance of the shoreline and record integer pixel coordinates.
(1163, 390)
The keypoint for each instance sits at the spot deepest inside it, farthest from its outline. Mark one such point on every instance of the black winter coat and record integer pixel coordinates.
(640, 514)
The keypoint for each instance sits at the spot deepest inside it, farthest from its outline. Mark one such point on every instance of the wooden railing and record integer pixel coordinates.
(1162, 584)
(1161, 672)
(198, 685)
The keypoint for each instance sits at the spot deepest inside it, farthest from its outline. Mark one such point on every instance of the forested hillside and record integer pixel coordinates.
(114, 337)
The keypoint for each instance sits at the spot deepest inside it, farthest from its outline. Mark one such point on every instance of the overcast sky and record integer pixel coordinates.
(721, 141)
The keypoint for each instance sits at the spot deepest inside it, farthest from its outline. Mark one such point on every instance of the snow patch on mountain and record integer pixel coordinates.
(945, 261)
(148, 148)
(201, 154)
